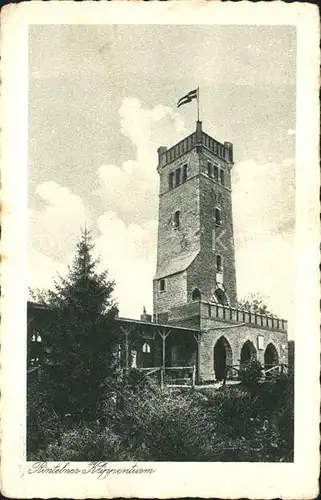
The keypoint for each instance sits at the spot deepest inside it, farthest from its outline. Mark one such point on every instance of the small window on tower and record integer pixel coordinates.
(216, 173)
(196, 294)
(218, 219)
(171, 180)
(209, 169)
(184, 173)
(219, 267)
(222, 177)
(178, 177)
(162, 285)
(177, 215)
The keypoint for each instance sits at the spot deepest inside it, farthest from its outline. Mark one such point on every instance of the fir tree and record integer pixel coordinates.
(82, 340)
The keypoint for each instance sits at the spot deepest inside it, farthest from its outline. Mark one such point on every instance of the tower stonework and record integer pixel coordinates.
(195, 250)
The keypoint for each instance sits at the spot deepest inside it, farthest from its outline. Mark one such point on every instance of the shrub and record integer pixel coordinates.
(283, 417)
(167, 425)
(251, 373)
(231, 409)
(136, 380)
(43, 424)
(141, 422)
(85, 443)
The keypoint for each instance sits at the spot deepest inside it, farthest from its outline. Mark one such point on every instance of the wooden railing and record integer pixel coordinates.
(173, 379)
(232, 372)
(33, 374)
(275, 369)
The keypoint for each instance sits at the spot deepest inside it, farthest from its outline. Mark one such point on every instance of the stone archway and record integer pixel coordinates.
(222, 357)
(248, 352)
(271, 358)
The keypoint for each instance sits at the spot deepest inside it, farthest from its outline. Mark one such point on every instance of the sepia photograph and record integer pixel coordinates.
(151, 336)
(162, 224)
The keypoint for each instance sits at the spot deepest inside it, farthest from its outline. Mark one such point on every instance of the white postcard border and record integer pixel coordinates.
(170, 480)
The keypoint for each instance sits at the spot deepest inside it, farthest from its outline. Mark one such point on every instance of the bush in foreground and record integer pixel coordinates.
(251, 373)
(43, 424)
(167, 426)
(140, 422)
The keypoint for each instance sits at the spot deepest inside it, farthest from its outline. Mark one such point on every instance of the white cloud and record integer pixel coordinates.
(127, 242)
(55, 228)
(131, 189)
(128, 252)
(263, 199)
(53, 233)
(127, 239)
(263, 209)
(43, 269)
(265, 265)
(149, 128)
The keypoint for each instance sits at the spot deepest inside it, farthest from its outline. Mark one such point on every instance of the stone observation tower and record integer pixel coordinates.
(195, 252)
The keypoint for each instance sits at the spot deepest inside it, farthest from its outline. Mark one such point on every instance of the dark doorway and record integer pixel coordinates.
(221, 297)
(271, 359)
(248, 352)
(222, 357)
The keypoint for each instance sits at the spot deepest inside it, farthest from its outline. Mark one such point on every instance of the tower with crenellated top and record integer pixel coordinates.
(195, 250)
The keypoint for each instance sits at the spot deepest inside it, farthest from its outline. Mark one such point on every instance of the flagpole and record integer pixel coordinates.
(198, 104)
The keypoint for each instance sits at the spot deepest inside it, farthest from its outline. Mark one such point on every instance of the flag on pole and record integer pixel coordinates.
(193, 94)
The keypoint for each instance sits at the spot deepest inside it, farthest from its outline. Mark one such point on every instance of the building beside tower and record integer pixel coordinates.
(196, 320)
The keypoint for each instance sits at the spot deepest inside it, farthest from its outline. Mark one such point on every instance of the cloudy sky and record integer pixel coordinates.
(102, 99)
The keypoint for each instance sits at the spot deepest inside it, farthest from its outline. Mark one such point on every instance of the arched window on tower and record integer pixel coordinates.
(209, 169)
(219, 266)
(215, 173)
(176, 220)
(222, 177)
(162, 285)
(177, 177)
(184, 178)
(196, 294)
(218, 219)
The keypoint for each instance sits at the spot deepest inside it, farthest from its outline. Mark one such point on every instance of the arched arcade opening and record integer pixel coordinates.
(271, 359)
(248, 352)
(222, 357)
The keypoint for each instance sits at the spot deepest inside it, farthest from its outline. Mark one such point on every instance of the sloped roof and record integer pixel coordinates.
(176, 265)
